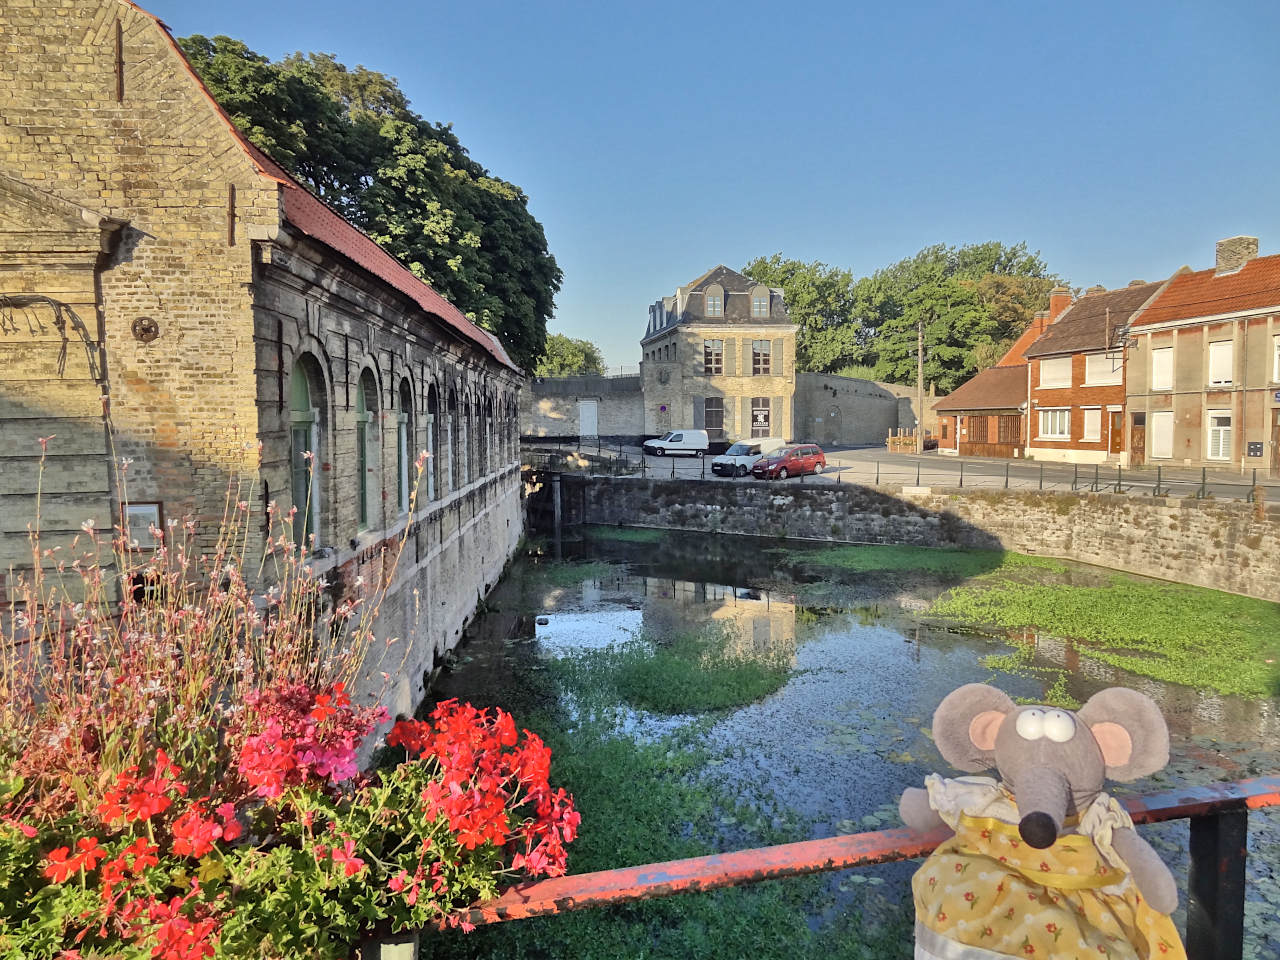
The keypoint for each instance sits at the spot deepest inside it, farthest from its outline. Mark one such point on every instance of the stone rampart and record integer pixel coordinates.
(1224, 545)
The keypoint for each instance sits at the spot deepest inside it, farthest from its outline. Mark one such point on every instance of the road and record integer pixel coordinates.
(876, 466)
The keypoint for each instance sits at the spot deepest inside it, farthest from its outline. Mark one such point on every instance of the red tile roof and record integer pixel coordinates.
(318, 221)
(996, 388)
(1202, 294)
(1015, 356)
(1094, 322)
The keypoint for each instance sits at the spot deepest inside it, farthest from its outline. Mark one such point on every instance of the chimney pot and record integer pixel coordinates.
(1059, 300)
(1096, 289)
(1234, 253)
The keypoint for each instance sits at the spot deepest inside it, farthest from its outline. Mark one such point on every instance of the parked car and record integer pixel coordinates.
(738, 460)
(688, 442)
(790, 462)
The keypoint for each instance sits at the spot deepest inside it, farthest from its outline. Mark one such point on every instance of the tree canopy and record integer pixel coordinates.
(350, 136)
(971, 299)
(567, 356)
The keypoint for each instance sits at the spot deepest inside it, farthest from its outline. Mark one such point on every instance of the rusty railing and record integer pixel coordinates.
(1215, 910)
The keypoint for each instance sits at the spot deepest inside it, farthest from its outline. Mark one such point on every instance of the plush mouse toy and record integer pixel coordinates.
(1043, 863)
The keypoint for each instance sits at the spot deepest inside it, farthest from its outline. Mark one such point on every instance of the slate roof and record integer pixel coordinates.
(1094, 322)
(996, 388)
(317, 220)
(1202, 294)
(731, 280)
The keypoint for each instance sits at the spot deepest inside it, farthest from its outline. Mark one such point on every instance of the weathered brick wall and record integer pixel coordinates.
(161, 159)
(1225, 545)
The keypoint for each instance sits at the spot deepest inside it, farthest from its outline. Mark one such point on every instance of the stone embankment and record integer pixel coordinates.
(1225, 545)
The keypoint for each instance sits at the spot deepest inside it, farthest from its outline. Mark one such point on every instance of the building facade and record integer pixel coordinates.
(182, 318)
(1077, 378)
(719, 354)
(1203, 380)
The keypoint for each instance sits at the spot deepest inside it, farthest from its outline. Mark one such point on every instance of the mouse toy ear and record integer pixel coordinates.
(1130, 730)
(965, 726)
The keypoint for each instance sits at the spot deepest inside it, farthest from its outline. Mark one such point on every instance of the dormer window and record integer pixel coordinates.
(715, 300)
(760, 302)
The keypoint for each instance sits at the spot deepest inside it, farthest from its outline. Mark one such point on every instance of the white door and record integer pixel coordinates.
(588, 425)
(1162, 435)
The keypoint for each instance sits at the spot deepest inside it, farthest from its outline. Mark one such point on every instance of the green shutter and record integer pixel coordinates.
(775, 365)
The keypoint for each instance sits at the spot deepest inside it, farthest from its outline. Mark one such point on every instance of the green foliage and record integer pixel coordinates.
(858, 558)
(566, 356)
(569, 573)
(1179, 634)
(969, 299)
(624, 534)
(695, 672)
(350, 136)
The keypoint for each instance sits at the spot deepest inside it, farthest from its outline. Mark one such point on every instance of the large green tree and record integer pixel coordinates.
(567, 356)
(351, 137)
(820, 301)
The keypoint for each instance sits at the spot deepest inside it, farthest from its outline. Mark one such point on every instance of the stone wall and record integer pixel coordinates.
(1224, 545)
(550, 408)
(845, 411)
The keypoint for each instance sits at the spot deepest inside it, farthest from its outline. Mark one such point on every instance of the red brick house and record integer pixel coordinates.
(1077, 377)
(985, 416)
(1203, 379)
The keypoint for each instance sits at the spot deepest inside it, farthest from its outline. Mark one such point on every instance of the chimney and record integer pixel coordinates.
(1234, 253)
(1040, 321)
(1059, 300)
(1137, 283)
(1096, 289)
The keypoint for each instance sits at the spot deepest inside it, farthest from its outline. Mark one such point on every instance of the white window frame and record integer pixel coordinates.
(1217, 436)
(759, 306)
(1044, 419)
(1167, 383)
(1107, 378)
(1045, 370)
(1227, 347)
(1092, 412)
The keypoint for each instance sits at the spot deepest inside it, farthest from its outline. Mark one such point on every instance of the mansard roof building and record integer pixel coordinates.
(172, 299)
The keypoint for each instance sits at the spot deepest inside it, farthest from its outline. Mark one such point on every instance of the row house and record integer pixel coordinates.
(1077, 377)
(986, 416)
(1203, 370)
(180, 317)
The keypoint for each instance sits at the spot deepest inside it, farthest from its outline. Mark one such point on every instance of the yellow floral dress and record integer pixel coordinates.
(985, 893)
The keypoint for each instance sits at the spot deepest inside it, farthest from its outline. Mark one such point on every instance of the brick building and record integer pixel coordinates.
(720, 353)
(172, 300)
(986, 416)
(1077, 377)
(1203, 382)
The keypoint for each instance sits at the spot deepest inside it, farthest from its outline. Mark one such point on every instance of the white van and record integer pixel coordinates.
(694, 443)
(737, 460)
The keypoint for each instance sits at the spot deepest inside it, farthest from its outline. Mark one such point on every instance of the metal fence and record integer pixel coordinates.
(927, 471)
(1219, 815)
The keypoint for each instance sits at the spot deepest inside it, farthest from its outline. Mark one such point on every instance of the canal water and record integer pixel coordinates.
(831, 749)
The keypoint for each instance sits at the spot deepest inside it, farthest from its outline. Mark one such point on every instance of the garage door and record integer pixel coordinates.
(1162, 435)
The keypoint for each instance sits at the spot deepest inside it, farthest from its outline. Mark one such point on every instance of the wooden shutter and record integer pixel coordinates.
(699, 412)
(730, 357)
(775, 364)
(776, 426)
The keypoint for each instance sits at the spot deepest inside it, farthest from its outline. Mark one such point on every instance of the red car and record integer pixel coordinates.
(790, 462)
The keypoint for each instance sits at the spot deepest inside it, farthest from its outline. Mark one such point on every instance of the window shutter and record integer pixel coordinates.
(744, 425)
(776, 363)
(1162, 368)
(699, 412)
(730, 357)
(776, 427)
(1220, 361)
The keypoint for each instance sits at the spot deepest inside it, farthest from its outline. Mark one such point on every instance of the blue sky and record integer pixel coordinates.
(656, 140)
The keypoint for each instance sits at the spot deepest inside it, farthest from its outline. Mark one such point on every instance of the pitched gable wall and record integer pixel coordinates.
(162, 159)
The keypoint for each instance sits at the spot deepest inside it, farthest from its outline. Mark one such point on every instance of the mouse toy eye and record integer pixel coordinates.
(1030, 724)
(1058, 726)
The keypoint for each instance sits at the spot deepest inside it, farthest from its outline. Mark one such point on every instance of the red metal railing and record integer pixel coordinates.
(1215, 910)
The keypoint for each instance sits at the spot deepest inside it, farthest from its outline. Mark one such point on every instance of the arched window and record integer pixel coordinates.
(760, 301)
(306, 428)
(714, 300)
(490, 457)
(455, 443)
(368, 461)
(474, 438)
(404, 447)
(433, 442)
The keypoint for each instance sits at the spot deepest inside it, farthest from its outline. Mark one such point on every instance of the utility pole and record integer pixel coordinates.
(920, 385)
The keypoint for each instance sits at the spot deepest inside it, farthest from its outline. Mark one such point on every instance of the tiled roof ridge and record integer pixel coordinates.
(1209, 276)
(385, 266)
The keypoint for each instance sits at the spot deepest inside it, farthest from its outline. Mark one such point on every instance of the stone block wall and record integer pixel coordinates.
(1225, 545)
(550, 408)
